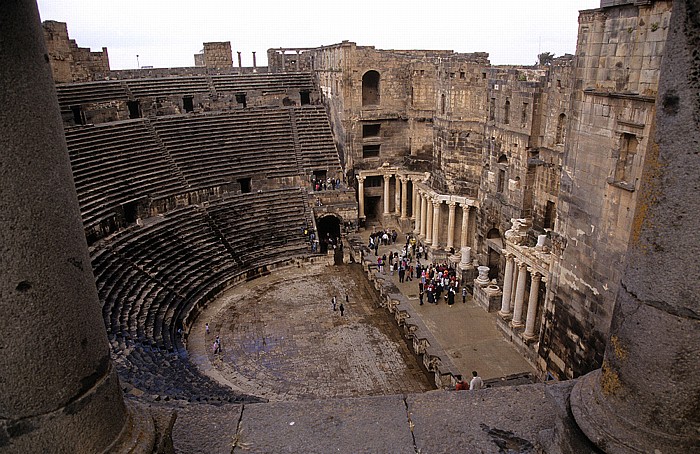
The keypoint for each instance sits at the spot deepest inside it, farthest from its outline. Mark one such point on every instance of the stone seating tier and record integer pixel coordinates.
(316, 139)
(149, 278)
(116, 163)
(89, 92)
(165, 86)
(215, 148)
(278, 81)
(115, 90)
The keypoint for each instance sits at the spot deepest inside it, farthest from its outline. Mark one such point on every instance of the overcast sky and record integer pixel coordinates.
(166, 33)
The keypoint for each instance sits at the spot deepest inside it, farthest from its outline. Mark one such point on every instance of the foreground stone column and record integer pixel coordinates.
(58, 389)
(451, 225)
(507, 287)
(532, 305)
(517, 321)
(646, 396)
(387, 179)
(361, 196)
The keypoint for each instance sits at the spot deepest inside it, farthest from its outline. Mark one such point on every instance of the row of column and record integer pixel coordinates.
(400, 199)
(427, 216)
(425, 210)
(514, 283)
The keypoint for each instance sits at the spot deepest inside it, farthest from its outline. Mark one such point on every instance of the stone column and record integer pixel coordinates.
(532, 305)
(429, 224)
(387, 178)
(517, 321)
(297, 61)
(451, 226)
(360, 196)
(60, 391)
(240, 65)
(464, 234)
(646, 396)
(414, 196)
(423, 215)
(417, 210)
(404, 198)
(507, 286)
(397, 194)
(436, 222)
(465, 259)
(255, 62)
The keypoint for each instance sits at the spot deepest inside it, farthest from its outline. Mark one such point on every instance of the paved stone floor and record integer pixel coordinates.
(282, 341)
(466, 332)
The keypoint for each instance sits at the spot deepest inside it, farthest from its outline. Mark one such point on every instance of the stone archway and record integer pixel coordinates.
(329, 236)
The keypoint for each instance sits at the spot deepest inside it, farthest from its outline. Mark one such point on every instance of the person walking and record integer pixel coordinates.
(342, 309)
(464, 294)
(334, 302)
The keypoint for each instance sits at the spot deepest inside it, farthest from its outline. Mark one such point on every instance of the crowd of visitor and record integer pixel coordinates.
(436, 281)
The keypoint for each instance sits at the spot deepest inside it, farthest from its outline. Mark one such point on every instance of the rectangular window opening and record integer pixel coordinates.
(370, 151)
(188, 103)
(241, 99)
(245, 185)
(370, 130)
(134, 108)
(549, 215)
(501, 180)
(78, 115)
(305, 96)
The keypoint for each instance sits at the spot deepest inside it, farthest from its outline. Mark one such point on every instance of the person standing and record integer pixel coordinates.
(206, 329)
(334, 302)
(464, 294)
(477, 383)
(342, 309)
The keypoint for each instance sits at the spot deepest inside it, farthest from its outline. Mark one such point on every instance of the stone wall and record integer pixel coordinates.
(613, 111)
(460, 111)
(218, 55)
(70, 63)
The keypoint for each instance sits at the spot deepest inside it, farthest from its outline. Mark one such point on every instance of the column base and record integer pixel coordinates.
(514, 324)
(601, 424)
(505, 315)
(530, 337)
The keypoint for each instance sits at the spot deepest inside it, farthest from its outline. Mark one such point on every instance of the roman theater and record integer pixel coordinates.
(189, 258)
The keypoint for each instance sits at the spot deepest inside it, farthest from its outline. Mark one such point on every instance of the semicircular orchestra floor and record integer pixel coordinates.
(282, 340)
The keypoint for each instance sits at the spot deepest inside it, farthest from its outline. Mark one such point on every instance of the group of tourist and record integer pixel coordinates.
(321, 184)
(434, 278)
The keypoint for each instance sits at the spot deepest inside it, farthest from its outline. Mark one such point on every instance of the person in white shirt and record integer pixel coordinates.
(477, 383)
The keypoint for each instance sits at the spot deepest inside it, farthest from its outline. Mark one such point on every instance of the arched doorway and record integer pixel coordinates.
(329, 236)
(495, 246)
